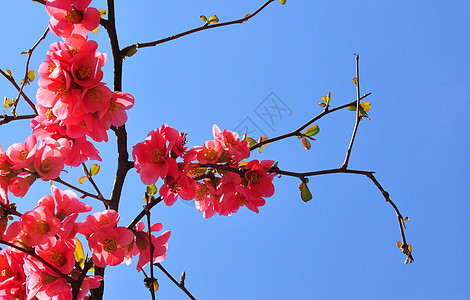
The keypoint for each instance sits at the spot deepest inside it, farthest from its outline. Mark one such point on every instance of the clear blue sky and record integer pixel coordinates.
(414, 59)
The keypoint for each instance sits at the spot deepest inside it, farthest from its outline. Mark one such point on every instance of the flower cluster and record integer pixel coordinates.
(72, 103)
(49, 231)
(214, 174)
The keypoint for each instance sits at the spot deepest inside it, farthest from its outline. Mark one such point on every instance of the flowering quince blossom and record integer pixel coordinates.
(72, 19)
(239, 184)
(107, 241)
(142, 245)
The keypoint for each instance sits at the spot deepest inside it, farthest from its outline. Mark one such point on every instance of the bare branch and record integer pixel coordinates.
(182, 287)
(298, 130)
(358, 116)
(206, 26)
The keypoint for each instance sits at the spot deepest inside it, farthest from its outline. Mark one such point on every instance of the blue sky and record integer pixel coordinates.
(341, 245)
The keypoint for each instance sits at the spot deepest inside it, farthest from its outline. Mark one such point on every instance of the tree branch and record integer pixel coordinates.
(8, 119)
(153, 201)
(182, 287)
(85, 193)
(26, 79)
(19, 89)
(206, 26)
(298, 130)
(358, 116)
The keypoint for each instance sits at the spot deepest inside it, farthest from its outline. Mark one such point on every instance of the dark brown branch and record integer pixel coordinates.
(153, 201)
(358, 116)
(11, 210)
(19, 89)
(182, 287)
(8, 119)
(76, 285)
(206, 26)
(298, 130)
(33, 254)
(85, 193)
(370, 175)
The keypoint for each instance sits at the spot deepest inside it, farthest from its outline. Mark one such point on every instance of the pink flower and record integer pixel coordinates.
(49, 162)
(108, 245)
(260, 183)
(19, 186)
(106, 219)
(72, 19)
(142, 245)
(152, 156)
(60, 256)
(22, 155)
(12, 276)
(86, 69)
(96, 99)
(43, 283)
(210, 152)
(63, 203)
(115, 113)
(39, 227)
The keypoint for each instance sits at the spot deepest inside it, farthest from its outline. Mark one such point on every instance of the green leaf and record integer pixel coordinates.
(352, 108)
(282, 2)
(151, 189)
(312, 130)
(213, 19)
(305, 192)
(203, 18)
(327, 98)
(81, 179)
(31, 76)
(94, 169)
(306, 143)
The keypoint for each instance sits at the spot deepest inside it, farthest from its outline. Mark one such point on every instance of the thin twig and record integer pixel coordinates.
(298, 130)
(88, 175)
(76, 285)
(152, 278)
(154, 201)
(26, 79)
(370, 175)
(85, 193)
(17, 87)
(10, 210)
(206, 26)
(358, 117)
(183, 288)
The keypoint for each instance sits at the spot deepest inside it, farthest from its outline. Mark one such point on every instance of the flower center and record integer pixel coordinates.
(253, 177)
(51, 67)
(74, 17)
(93, 95)
(110, 245)
(50, 114)
(60, 91)
(23, 154)
(57, 257)
(46, 165)
(6, 272)
(42, 227)
(82, 73)
(116, 106)
(156, 156)
(211, 154)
